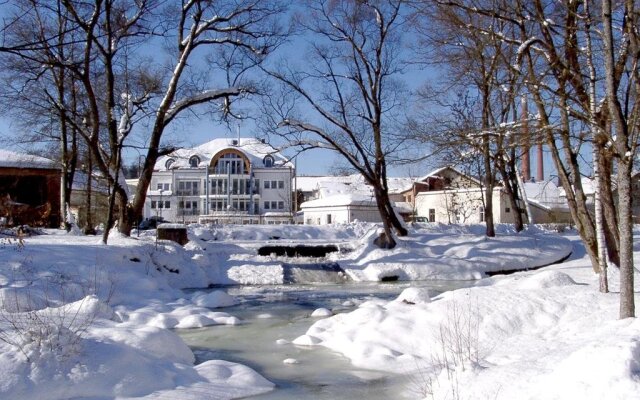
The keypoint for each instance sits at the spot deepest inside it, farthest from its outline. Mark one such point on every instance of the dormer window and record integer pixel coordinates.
(194, 161)
(268, 161)
(169, 163)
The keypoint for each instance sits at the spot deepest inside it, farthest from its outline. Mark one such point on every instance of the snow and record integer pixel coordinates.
(543, 334)
(415, 296)
(102, 321)
(215, 299)
(253, 148)
(10, 159)
(337, 200)
(321, 312)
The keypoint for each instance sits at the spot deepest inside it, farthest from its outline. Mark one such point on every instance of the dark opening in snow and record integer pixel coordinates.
(298, 250)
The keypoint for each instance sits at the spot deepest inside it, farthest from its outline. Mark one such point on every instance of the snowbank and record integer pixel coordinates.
(543, 334)
(103, 313)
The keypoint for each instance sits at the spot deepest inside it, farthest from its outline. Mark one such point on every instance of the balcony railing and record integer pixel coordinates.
(188, 212)
(188, 192)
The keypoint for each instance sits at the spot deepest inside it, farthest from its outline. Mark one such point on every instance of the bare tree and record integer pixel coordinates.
(481, 120)
(119, 86)
(351, 89)
(622, 92)
(38, 91)
(582, 73)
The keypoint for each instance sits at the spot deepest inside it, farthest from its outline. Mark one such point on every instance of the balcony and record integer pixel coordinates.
(187, 192)
(188, 212)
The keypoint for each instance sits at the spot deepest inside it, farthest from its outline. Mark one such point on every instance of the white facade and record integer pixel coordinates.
(449, 196)
(461, 206)
(338, 209)
(241, 181)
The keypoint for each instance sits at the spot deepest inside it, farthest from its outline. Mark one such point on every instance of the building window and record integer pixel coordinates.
(481, 214)
(507, 210)
(153, 204)
(281, 205)
(188, 188)
(229, 163)
(267, 184)
(309, 221)
(169, 163)
(274, 205)
(188, 207)
(280, 184)
(432, 215)
(167, 204)
(268, 161)
(328, 218)
(266, 205)
(163, 186)
(274, 184)
(194, 161)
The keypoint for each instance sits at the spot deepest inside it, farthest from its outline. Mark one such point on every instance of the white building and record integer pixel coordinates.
(244, 181)
(341, 199)
(447, 195)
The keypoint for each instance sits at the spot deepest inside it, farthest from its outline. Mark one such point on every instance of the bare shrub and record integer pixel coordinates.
(42, 321)
(456, 349)
(15, 243)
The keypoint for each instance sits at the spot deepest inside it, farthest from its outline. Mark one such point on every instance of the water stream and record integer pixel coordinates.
(270, 313)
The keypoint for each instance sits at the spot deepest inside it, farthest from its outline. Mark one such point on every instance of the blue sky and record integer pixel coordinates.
(193, 130)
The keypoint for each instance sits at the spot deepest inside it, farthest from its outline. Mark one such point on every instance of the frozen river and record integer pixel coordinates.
(270, 313)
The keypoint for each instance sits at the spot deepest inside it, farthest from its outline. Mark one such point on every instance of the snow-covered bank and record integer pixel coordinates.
(544, 334)
(460, 253)
(83, 319)
(431, 251)
(86, 320)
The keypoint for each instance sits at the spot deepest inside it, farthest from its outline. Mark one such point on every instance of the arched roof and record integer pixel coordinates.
(230, 150)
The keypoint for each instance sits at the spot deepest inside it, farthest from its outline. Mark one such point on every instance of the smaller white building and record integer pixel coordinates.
(342, 208)
(447, 195)
(341, 199)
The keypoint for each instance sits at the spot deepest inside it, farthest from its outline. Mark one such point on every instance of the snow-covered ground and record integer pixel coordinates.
(84, 320)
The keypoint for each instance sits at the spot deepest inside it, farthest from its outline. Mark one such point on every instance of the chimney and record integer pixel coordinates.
(525, 164)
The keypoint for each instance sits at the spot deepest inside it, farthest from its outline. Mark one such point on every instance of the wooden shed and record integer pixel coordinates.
(29, 190)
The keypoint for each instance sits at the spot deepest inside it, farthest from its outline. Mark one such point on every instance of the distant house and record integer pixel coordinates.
(29, 190)
(588, 185)
(244, 181)
(343, 199)
(342, 208)
(449, 196)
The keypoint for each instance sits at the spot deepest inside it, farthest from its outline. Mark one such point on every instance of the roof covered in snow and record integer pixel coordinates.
(399, 185)
(10, 159)
(542, 192)
(340, 200)
(254, 149)
(349, 183)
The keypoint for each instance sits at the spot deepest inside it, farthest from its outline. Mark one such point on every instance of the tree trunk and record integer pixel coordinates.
(385, 241)
(488, 191)
(627, 301)
(624, 149)
(512, 195)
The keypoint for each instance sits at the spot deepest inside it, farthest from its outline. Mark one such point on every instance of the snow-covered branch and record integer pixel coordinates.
(203, 97)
